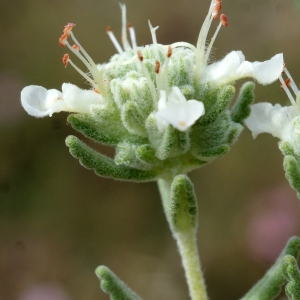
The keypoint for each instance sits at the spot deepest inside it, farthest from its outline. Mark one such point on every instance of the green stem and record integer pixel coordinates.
(187, 245)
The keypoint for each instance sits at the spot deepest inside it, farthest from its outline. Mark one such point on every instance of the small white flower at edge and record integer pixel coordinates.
(40, 102)
(271, 119)
(174, 109)
(234, 66)
(281, 122)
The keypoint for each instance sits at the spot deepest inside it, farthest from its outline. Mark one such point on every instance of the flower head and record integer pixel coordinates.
(165, 74)
(157, 102)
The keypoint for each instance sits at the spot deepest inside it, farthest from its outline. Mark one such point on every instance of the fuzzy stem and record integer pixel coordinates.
(187, 245)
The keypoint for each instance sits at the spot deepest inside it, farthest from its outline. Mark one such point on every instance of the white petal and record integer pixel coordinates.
(175, 96)
(264, 72)
(79, 100)
(224, 70)
(182, 115)
(162, 102)
(40, 102)
(271, 119)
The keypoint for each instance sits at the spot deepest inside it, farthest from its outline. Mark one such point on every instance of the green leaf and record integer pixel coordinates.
(224, 98)
(183, 141)
(132, 120)
(213, 152)
(103, 165)
(167, 143)
(242, 107)
(270, 285)
(113, 286)
(183, 205)
(91, 129)
(287, 149)
(162, 141)
(216, 138)
(146, 153)
(126, 155)
(292, 172)
(292, 275)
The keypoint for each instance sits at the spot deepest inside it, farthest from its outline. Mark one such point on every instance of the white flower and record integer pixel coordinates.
(174, 109)
(234, 66)
(40, 102)
(279, 121)
(271, 119)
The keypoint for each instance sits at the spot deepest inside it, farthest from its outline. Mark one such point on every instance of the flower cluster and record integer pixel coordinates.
(161, 106)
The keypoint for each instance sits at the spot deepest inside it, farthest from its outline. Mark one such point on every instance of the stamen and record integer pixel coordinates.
(114, 40)
(165, 70)
(147, 75)
(217, 8)
(292, 82)
(80, 56)
(92, 82)
(287, 91)
(68, 28)
(169, 52)
(132, 36)
(140, 55)
(63, 40)
(76, 47)
(154, 40)
(93, 65)
(125, 42)
(159, 80)
(86, 59)
(65, 59)
(223, 20)
(287, 83)
(200, 54)
(157, 67)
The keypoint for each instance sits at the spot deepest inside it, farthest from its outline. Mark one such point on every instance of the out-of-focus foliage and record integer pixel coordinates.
(297, 2)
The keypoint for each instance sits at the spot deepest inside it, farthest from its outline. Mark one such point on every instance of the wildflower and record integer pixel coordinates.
(233, 67)
(275, 119)
(40, 102)
(177, 111)
(283, 123)
(164, 107)
(165, 60)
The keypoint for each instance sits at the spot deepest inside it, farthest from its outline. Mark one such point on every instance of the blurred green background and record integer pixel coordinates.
(58, 221)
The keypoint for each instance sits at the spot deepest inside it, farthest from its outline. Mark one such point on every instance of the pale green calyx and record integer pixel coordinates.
(164, 107)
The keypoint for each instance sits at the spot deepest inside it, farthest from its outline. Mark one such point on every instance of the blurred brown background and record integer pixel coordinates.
(58, 221)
